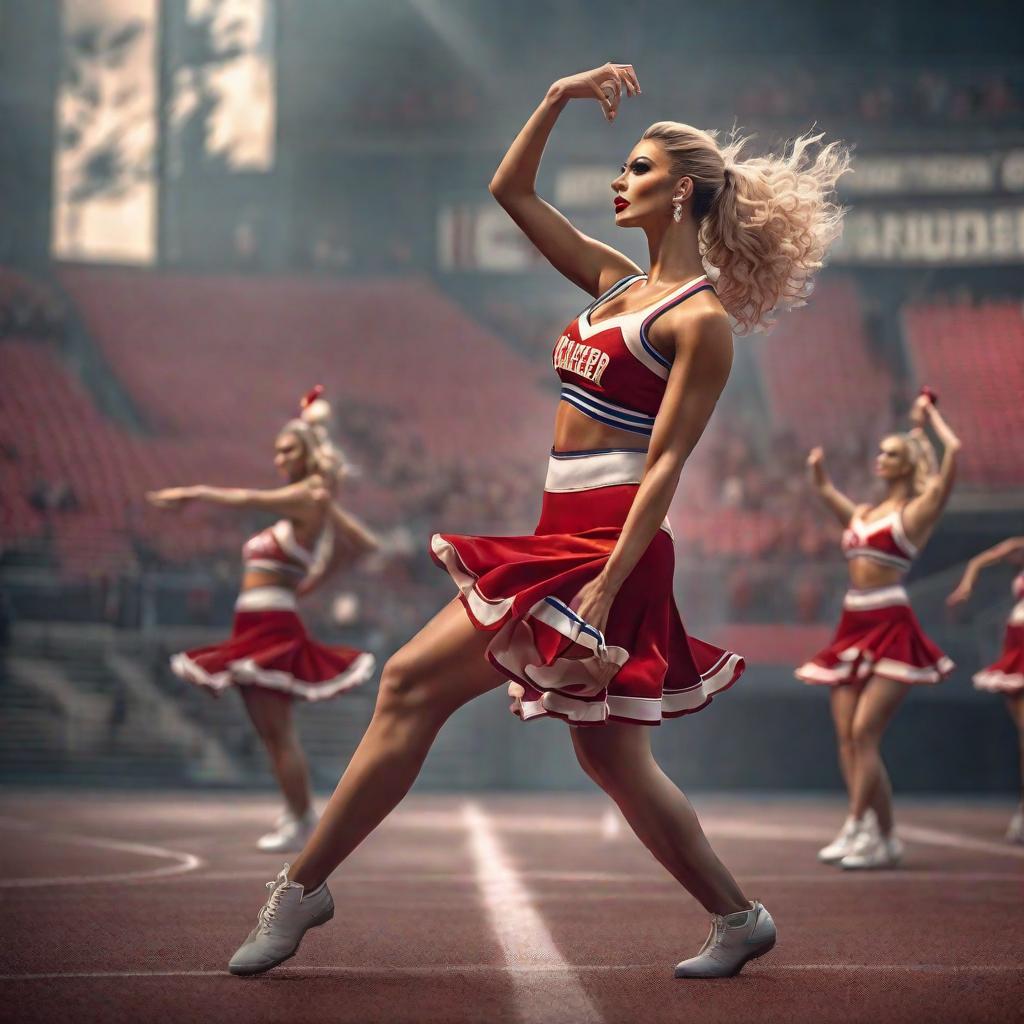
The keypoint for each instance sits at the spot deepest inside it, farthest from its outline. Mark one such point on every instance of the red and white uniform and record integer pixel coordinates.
(1007, 674)
(269, 645)
(524, 590)
(878, 634)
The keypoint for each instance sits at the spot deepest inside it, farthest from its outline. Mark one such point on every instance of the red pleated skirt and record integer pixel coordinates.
(523, 591)
(1007, 674)
(269, 647)
(878, 635)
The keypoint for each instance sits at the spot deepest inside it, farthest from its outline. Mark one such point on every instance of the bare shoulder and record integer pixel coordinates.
(699, 322)
(701, 336)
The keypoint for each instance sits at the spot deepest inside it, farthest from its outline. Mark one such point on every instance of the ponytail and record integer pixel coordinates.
(765, 224)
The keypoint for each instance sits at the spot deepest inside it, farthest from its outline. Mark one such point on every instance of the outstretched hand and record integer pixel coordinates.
(816, 464)
(169, 497)
(919, 410)
(605, 84)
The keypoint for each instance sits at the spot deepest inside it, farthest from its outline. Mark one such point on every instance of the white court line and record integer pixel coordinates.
(183, 862)
(939, 838)
(522, 934)
(514, 971)
(403, 876)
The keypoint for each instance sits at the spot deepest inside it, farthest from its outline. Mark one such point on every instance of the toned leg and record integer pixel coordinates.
(435, 673)
(878, 703)
(1015, 705)
(618, 758)
(271, 714)
(843, 704)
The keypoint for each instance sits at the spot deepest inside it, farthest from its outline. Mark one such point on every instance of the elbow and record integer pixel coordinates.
(954, 445)
(505, 192)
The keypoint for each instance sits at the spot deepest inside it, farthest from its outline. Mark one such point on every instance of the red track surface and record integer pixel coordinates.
(412, 939)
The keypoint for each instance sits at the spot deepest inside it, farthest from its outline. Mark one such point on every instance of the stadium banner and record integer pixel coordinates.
(955, 236)
(480, 237)
(104, 204)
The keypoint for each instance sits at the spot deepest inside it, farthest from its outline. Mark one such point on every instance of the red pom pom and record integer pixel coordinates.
(311, 396)
(930, 394)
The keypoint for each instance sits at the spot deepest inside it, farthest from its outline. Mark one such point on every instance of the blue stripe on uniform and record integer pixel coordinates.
(609, 295)
(601, 405)
(587, 452)
(619, 424)
(585, 627)
(648, 347)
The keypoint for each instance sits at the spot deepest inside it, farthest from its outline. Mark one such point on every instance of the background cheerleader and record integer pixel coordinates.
(269, 653)
(1006, 674)
(879, 649)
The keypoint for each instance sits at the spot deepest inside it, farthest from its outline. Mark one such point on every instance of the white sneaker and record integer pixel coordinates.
(290, 833)
(843, 843)
(734, 939)
(1015, 830)
(873, 851)
(286, 916)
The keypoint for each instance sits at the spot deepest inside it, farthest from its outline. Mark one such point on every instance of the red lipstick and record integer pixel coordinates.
(620, 204)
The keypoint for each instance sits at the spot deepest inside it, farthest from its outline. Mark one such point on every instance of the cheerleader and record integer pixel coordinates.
(269, 655)
(879, 649)
(580, 615)
(1006, 675)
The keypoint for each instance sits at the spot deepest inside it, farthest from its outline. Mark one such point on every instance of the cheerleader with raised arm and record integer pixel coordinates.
(879, 649)
(578, 619)
(269, 655)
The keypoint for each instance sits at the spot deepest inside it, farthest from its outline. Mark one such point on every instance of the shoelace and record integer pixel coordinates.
(266, 915)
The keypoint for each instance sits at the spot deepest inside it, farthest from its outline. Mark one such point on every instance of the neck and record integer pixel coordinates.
(900, 490)
(674, 252)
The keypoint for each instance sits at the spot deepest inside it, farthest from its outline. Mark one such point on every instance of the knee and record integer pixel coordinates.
(278, 740)
(846, 744)
(587, 764)
(611, 774)
(864, 738)
(402, 689)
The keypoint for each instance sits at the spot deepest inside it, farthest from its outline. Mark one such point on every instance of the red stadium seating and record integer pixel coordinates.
(215, 366)
(821, 379)
(974, 358)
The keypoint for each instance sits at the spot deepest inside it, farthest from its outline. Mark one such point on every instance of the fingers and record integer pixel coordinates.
(608, 85)
(603, 98)
(628, 75)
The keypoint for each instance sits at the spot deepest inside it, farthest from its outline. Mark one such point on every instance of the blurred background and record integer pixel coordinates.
(211, 205)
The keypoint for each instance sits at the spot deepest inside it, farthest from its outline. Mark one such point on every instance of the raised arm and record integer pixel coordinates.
(585, 261)
(295, 500)
(921, 513)
(992, 556)
(703, 358)
(837, 502)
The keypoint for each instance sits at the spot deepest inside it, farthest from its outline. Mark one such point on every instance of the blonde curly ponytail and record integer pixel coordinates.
(766, 223)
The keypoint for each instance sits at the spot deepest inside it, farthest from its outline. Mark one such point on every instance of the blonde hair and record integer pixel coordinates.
(765, 224)
(920, 459)
(312, 429)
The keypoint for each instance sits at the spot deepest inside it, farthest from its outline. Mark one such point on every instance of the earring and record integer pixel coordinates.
(677, 211)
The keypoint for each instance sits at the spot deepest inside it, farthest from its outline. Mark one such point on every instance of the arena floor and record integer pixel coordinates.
(499, 908)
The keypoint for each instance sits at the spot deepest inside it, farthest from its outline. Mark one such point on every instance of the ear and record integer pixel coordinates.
(683, 189)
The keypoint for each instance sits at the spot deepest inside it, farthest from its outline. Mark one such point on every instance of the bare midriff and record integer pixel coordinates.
(575, 432)
(866, 574)
(253, 578)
